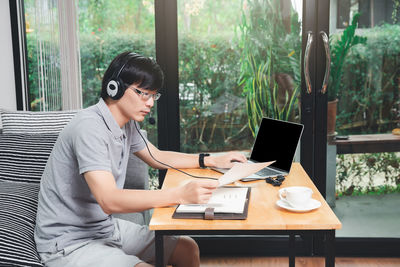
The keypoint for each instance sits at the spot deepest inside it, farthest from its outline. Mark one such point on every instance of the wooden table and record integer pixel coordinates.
(264, 216)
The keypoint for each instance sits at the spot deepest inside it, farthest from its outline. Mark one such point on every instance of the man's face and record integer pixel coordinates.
(136, 103)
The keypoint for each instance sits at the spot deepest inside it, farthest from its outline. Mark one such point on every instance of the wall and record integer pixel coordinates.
(7, 87)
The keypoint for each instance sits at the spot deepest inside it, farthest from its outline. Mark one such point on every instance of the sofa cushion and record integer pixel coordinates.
(18, 204)
(23, 157)
(35, 122)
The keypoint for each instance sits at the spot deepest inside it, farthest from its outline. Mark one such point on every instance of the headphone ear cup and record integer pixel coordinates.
(115, 89)
(121, 88)
(112, 88)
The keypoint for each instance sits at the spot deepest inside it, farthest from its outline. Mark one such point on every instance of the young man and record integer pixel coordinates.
(82, 185)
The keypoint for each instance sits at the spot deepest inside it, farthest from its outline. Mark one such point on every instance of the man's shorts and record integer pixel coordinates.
(130, 244)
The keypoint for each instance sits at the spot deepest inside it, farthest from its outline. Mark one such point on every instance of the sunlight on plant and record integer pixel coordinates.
(375, 173)
(153, 179)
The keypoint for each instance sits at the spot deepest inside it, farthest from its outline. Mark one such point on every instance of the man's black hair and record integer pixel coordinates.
(139, 70)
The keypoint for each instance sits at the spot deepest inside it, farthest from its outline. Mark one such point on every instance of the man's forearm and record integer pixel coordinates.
(182, 160)
(157, 158)
(115, 200)
(130, 200)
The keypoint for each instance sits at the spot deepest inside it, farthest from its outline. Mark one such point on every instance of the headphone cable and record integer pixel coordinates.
(167, 165)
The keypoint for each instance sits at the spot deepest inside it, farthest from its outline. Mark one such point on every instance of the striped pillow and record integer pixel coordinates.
(33, 122)
(23, 156)
(18, 204)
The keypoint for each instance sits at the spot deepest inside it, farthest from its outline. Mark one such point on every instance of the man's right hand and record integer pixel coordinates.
(197, 191)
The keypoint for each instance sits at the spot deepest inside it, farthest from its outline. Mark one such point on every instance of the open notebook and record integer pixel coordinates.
(226, 203)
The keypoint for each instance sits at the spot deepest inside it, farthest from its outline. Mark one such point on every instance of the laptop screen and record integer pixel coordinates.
(276, 140)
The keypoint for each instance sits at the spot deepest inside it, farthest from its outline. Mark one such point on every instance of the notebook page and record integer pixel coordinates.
(223, 200)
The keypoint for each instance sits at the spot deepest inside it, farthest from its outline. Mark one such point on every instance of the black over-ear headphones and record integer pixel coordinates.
(116, 87)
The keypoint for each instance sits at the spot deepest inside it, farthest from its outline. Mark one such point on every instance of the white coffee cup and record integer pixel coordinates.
(296, 196)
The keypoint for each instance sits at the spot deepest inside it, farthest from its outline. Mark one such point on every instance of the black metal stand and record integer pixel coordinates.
(159, 248)
(292, 250)
(329, 241)
(330, 248)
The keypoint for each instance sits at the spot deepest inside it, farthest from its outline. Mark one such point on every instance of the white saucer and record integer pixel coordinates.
(311, 205)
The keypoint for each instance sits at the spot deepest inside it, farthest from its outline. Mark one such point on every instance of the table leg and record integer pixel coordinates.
(330, 248)
(292, 250)
(159, 249)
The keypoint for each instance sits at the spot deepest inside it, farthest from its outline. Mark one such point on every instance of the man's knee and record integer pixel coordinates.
(191, 246)
(143, 264)
(186, 252)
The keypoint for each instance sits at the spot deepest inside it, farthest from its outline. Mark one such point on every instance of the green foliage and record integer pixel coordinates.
(207, 18)
(339, 50)
(271, 47)
(358, 174)
(98, 50)
(208, 63)
(208, 71)
(261, 98)
(370, 83)
(128, 17)
(35, 96)
(396, 7)
(153, 179)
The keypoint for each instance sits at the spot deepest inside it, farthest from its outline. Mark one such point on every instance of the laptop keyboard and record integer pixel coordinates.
(267, 172)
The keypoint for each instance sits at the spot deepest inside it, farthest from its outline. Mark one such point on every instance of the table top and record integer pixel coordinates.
(369, 138)
(263, 213)
(368, 143)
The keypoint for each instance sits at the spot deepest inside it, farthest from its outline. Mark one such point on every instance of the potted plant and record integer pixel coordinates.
(339, 50)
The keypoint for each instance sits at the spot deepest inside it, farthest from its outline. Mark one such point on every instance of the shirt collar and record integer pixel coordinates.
(109, 120)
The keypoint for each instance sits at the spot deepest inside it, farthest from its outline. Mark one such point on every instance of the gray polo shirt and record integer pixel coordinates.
(67, 211)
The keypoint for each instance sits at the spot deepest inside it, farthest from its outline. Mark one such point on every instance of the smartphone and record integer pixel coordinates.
(342, 137)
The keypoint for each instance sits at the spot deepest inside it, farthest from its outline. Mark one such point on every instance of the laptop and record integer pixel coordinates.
(276, 140)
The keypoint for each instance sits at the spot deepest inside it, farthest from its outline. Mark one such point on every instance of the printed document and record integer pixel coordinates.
(223, 200)
(242, 170)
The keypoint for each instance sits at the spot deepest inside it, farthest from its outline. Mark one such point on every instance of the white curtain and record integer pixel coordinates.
(59, 74)
(70, 57)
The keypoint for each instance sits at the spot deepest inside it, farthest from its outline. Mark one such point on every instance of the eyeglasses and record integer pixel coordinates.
(146, 96)
(277, 181)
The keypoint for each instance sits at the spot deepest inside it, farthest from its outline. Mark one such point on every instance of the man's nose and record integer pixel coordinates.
(150, 102)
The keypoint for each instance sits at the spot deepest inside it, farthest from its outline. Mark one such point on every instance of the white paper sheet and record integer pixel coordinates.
(242, 170)
(223, 200)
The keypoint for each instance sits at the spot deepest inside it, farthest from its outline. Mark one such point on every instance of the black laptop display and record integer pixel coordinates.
(276, 140)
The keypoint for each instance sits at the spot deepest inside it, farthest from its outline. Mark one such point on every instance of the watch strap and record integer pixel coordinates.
(201, 159)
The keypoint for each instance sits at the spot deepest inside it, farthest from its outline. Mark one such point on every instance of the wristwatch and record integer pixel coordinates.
(201, 159)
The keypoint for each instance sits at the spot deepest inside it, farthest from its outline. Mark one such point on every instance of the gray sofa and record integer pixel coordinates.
(26, 140)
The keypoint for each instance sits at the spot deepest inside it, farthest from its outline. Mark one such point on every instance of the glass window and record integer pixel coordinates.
(43, 50)
(106, 28)
(363, 180)
(238, 61)
(373, 13)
